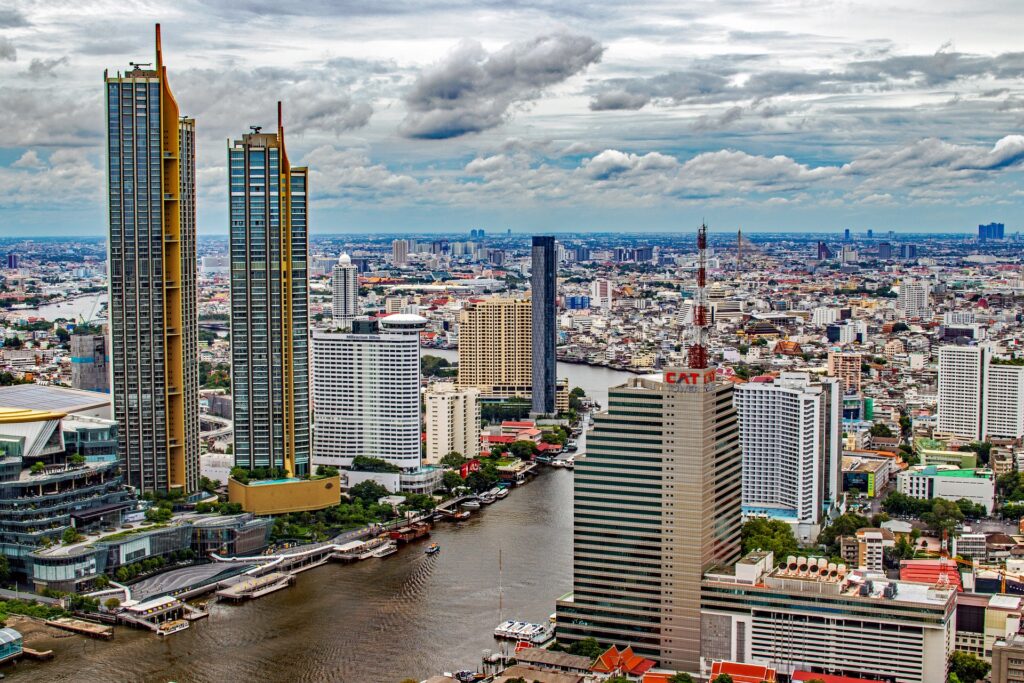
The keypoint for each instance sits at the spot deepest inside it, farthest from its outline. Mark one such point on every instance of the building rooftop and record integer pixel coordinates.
(48, 398)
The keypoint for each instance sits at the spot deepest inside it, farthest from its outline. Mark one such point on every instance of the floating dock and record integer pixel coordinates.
(257, 587)
(85, 628)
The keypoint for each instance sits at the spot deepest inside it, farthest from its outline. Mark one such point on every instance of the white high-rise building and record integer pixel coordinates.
(961, 379)
(1004, 401)
(790, 438)
(366, 392)
(913, 298)
(400, 252)
(822, 315)
(601, 294)
(345, 292)
(453, 421)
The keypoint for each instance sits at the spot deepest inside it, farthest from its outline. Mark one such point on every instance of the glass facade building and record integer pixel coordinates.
(154, 329)
(269, 304)
(544, 283)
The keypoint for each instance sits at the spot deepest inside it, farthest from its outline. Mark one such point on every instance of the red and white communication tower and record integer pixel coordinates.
(697, 354)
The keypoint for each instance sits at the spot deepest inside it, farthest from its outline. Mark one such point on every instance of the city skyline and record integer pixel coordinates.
(770, 119)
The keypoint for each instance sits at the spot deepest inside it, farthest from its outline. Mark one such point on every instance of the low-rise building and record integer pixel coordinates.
(867, 474)
(810, 614)
(871, 545)
(1008, 659)
(952, 483)
(280, 496)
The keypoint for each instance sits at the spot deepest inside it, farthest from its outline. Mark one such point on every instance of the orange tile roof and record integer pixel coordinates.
(743, 673)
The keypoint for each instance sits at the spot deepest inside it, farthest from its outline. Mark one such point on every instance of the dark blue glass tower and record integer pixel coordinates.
(543, 283)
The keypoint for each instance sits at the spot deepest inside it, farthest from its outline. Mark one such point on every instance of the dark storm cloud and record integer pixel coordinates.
(472, 90)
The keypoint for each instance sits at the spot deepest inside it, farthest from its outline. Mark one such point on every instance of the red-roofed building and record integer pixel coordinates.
(799, 676)
(743, 673)
(625, 662)
(930, 572)
(513, 427)
(499, 439)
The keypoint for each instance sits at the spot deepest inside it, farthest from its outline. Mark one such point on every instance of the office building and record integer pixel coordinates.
(657, 502)
(90, 369)
(12, 261)
(908, 251)
(400, 252)
(913, 298)
(961, 388)
(846, 366)
(366, 392)
(154, 327)
(927, 482)
(453, 421)
(991, 231)
(344, 292)
(495, 347)
(1004, 400)
(544, 286)
(601, 294)
(269, 304)
(814, 615)
(577, 302)
(792, 456)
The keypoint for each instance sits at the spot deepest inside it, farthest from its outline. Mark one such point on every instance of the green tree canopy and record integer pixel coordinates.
(967, 667)
(368, 492)
(588, 647)
(769, 534)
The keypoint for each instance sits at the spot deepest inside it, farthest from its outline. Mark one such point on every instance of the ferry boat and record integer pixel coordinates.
(502, 492)
(525, 631)
(389, 548)
(470, 504)
(169, 627)
(433, 549)
(487, 498)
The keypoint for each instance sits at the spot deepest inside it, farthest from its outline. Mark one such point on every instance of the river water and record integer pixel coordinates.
(376, 621)
(85, 307)
(595, 380)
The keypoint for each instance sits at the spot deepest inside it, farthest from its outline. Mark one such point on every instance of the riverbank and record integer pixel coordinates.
(376, 621)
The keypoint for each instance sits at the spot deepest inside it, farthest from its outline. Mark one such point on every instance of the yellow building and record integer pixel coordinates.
(281, 496)
(495, 348)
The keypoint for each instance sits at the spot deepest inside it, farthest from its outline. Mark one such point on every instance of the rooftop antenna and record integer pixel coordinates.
(697, 354)
(139, 65)
(255, 129)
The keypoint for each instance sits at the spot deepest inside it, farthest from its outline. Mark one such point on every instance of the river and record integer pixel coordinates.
(85, 307)
(594, 380)
(377, 621)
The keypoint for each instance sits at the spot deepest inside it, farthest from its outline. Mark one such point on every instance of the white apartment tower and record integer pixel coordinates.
(366, 392)
(400, 252)
(1004, 401)
(601, 294)
(345, 292)
(790, 439)
(961, 387)
(913, 298)
(453, 421)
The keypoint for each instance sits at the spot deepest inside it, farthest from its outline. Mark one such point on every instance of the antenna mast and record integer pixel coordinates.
(697, 354)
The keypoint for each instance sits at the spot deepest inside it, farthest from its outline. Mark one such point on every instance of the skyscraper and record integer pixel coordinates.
(847, 367)
(1004, 401)
(656, 503)
(544, 283)
(366, 390)
(345, 292)
(495, 350)
(154, 328)
(269, 304)
(789, 434)
(399, 252)
(961, 388)
(601, 294)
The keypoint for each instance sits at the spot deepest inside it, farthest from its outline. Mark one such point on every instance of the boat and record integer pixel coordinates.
(407, 534)
(487, 498)
(461, 515)
(433, 549)
(558, 463)
(569, 464)
(502, 493)
(525, 631)
(169, 627)
(470, 504)
(389, 548)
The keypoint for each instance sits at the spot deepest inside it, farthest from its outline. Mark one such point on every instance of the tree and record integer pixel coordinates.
(70, 535)
(5, 568)
(364, 463)
(420, 501)
(967, 667)
(881, 429)
(844, 525)
(769, 534)
(722, 678)
(453, 459)
(451, 480)
(971, 510)
(368, 492)
(159, 514)
(326, 471)
(617, 679)
(37, 468)
(681, 677)
(982, 448)
(575, 399)
(112, 603)
(435, 366)
(207, 484)
(77, 460)
(523, 449)
(587, 647)
(944, 515)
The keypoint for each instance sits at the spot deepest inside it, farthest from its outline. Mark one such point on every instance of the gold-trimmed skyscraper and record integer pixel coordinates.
(152, 263)
(269, 304)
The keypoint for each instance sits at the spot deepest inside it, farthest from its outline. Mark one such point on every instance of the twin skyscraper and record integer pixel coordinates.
(153, 300)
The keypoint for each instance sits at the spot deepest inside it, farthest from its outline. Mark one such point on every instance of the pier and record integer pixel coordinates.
(85, 628)
(250, 589)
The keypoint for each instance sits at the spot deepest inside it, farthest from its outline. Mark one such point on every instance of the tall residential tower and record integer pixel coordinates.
(544, 283)
(153, 324)
(344, 292)
(269, 304)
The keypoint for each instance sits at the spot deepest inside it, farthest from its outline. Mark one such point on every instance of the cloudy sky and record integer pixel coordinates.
(544, 114)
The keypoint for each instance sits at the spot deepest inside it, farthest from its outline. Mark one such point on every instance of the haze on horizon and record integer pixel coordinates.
(423, 116)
